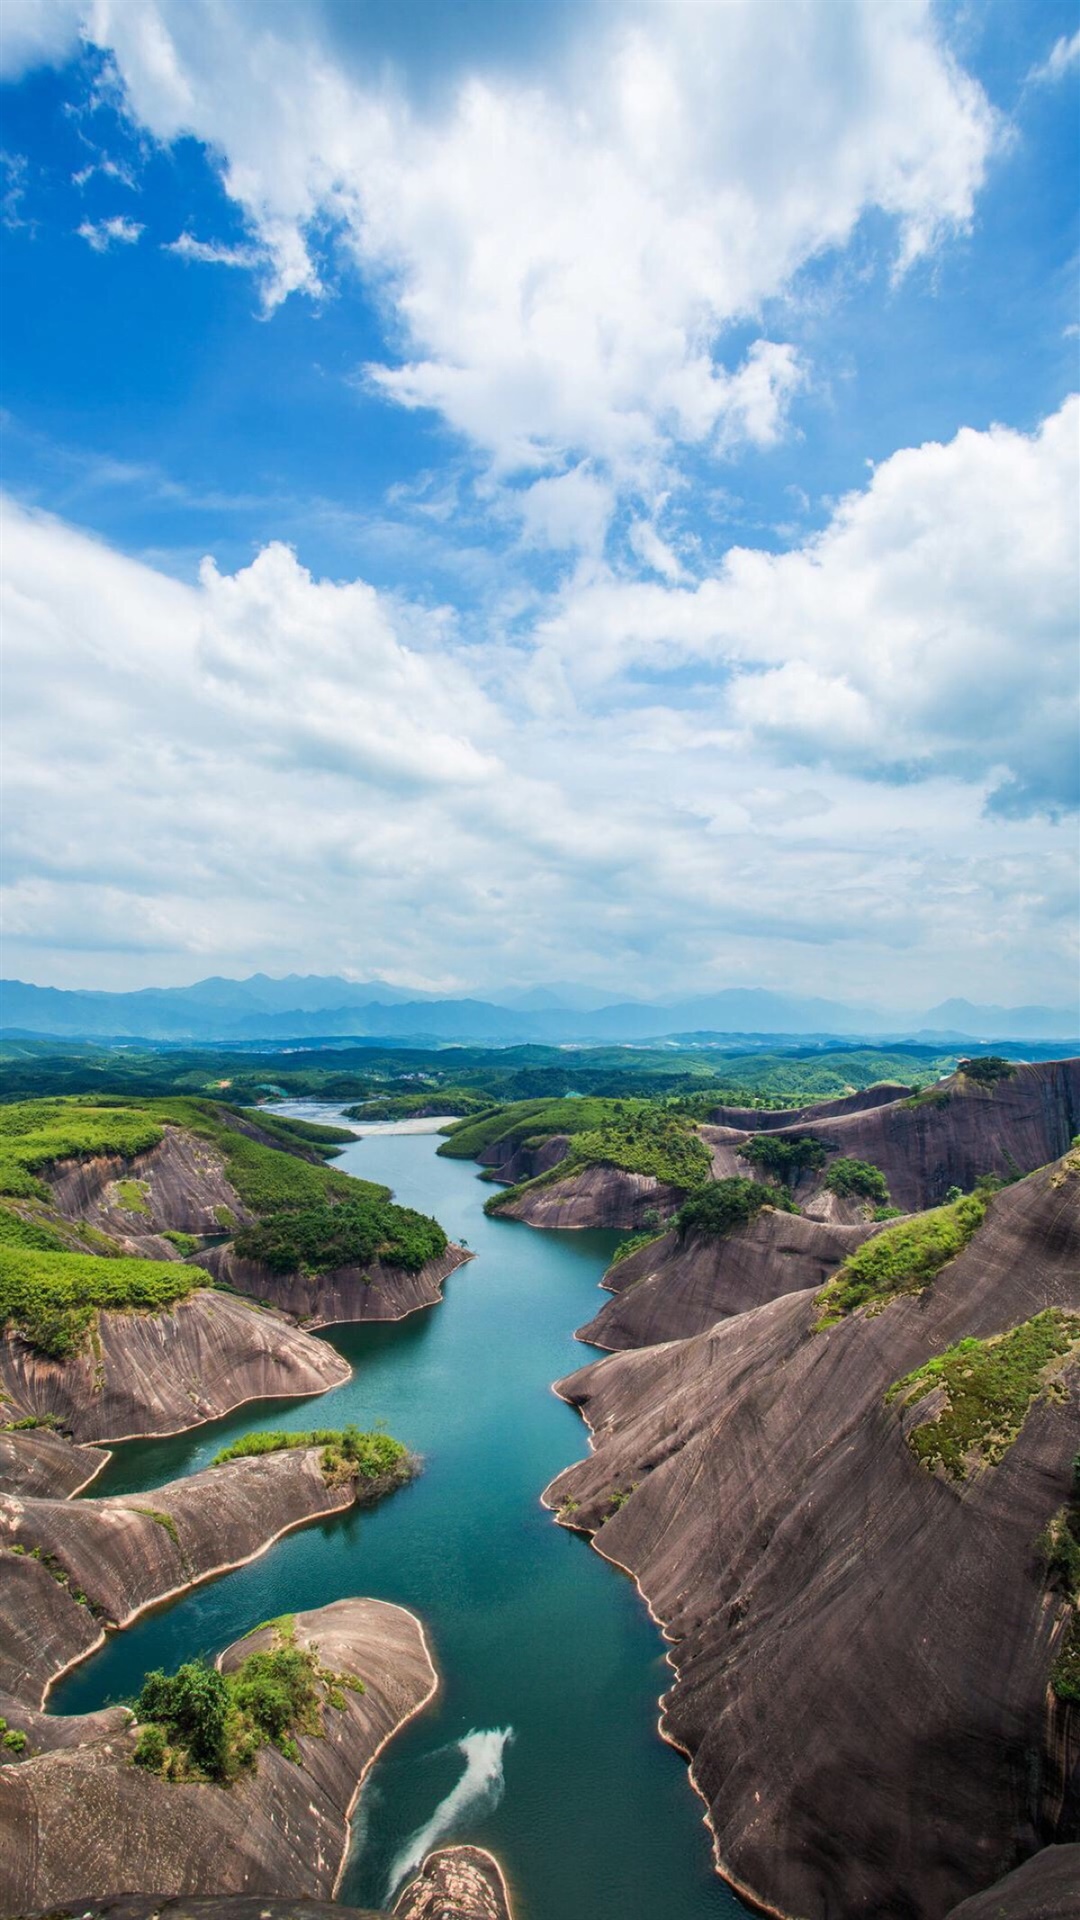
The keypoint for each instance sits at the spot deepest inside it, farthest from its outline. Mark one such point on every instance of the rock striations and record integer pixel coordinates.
(838, 1612)
(84, 1817)
(374, 1292)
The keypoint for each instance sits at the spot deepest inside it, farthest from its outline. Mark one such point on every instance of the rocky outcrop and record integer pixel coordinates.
(1046, 1887)
(181, 1185)
(594, 1196)
(513, 1160)
(862, 1649)
(375, 1292)
(674, 1287)
(151, 1374)
(84, 1817)
(761, 1120)
(457, 1883)
(46, 1465)
(72, 1568)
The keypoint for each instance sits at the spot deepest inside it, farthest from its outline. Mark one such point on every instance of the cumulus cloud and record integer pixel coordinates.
(267, 768)
(562, 254)
(101, 235)
(931, 627)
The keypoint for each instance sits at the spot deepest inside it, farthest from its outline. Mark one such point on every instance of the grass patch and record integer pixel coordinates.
(989, 1387)
(131, 1195)
(633, 1244)
(348, 1454)
(185, 1243)
(902, 1259)
(198, 1724)
(726, 1204)
(634, 1135)
(35, 1235)
(857, 1179)
(51, 1298)
(164, 1520)
(352, 1233)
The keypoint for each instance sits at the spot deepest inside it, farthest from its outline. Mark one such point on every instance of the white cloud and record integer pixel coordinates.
(37, 32)
(267, 769)
(214, 253)
(103, 234)
(1063, 56)
(561, 257)
(930, 628)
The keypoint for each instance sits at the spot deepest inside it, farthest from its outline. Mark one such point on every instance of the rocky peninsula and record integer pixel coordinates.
(852, 1552)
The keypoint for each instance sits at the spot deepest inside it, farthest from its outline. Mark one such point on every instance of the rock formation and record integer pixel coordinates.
(1046, 1887)
(674, 1287)
(374, 1292)
(84, 1817)
(862, 1647)
(46, 1465)
(151, 1374)
(70, 1568)
(595, 1196)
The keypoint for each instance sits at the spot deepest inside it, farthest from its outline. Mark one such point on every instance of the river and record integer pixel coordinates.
(541, 1743)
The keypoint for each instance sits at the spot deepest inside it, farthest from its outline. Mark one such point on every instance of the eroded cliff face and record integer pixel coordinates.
(83, 1817)
(149, 1374)
(862, 1649)
(72, 1568)
(675, 1287)
(1046, 1887)
(374, 1292)
(511, 1161)
(180, 1186)
(755, 1120)
(47, 1465)
(595, 1196)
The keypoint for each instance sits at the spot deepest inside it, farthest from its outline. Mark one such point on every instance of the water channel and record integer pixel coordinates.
(541, 1743)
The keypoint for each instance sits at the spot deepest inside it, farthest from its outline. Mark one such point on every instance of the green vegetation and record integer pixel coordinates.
(928, 1097)
(634, 1135)
(12, 1739)
(185, 1243)
(860, 1179)
(408, 1106)
(164, 1520)
(890, 1212)
(18, 1231)
(989, 1387)
(902, 1259)
(1058, 1548)
(348, 1454)
(51, 1298)
(786, 1157)
(199, 1724)
(131, 1195)
(987, 1070)
(633, 1244)
(318, 1239)
(726, 1204)
(34, 1133)
(525, 1123)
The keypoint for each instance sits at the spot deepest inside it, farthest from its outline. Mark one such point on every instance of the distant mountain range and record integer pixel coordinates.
(322, 1007)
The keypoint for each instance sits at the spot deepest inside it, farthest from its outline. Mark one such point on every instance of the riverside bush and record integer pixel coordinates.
(347, 1452)
(901, 1259)
(351, 1233)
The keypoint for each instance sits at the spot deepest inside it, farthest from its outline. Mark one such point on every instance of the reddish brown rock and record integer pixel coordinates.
(47, 1465)
(862, 1650)
(151, 1374)
(374, 1292)
(595, 1196)
(1046, 1887)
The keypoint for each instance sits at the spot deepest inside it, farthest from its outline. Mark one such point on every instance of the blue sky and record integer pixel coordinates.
(628, 446)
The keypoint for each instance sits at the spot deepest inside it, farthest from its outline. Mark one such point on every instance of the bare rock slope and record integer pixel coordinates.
(594, 1196)
(45, 1464)
(83, 1817)
(676, 1286)
(374, 1292)
(159, 1373)
(72, 1567)
(838, 1613)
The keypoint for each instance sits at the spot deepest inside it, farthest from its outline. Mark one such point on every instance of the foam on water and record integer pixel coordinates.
(477, 1792)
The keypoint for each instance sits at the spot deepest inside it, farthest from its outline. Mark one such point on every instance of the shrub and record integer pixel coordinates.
(785, 1157)
(989, 1388)
(14, 1740)
(51, 1298)
(725, 1204)
(191, 1706)
(857, 1179)
(902, 1259)
(987, 1070)
(347, 1452)
(633, 1244)
(318, 1239)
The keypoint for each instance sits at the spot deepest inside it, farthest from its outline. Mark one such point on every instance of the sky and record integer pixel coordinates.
(581, 490)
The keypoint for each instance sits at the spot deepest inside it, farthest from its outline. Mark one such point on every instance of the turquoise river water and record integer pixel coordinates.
(541, 1742)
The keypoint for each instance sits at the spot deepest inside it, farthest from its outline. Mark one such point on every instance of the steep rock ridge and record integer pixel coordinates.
(957, 1132)
(85, 1817)
(375, 1292)
(755, 1120)
(839, 1614)
(46, 1465)
(1046, 1887)
(158, 1373)
(123, 1555)
(676, 1287)
(179, 1186)
(595, 1196)
(513, 1160)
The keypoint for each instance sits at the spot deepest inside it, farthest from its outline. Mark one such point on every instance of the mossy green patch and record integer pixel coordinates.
(131, 1195)
(51, 1298)
(989, 1387)
(902, 1259)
